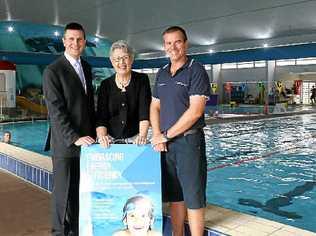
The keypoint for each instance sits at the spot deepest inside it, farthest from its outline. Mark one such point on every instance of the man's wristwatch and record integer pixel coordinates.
(165, 135)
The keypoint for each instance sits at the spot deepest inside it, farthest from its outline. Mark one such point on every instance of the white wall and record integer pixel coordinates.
(287, 74)
(243, 75)
(8, 93)
(288, 70)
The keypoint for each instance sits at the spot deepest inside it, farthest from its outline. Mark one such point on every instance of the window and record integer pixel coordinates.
(242, 65)
(260, 64)
(137, 70)
(306, 61)
(208, 67)
(147, 71)
(229, 66)
(287, 62)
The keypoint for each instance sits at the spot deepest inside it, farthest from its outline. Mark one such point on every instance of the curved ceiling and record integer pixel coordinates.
(218, 24)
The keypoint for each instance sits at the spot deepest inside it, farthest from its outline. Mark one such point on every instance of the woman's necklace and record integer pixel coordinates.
(122, 85)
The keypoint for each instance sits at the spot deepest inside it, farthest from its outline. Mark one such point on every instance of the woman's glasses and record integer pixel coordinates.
(119, 59)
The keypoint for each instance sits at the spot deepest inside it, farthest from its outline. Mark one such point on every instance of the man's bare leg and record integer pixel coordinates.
(178, 214)
(196, 221)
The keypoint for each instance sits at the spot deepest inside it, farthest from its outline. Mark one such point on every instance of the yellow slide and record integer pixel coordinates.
(24, 103)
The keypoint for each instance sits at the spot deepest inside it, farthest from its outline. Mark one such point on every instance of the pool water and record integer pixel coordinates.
(29, 135)
(265, 168)
(251, 109)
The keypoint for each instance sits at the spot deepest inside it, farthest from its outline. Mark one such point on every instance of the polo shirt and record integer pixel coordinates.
(174, 92)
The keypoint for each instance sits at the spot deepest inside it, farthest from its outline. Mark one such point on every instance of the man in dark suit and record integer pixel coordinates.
(67, 86)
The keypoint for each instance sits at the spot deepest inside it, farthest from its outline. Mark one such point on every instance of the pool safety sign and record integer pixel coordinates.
(120, 191)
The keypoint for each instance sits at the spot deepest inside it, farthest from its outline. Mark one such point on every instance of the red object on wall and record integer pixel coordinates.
(297, 86)
(6, 65)
(228, 87)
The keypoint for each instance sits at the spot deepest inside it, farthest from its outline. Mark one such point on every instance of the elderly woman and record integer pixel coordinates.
(123, 100)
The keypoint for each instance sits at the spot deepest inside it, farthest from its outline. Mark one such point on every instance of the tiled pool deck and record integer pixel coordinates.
(25, 208)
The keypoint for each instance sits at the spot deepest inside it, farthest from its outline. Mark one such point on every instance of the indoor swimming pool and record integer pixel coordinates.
(30, 135)
(265, 167)
(252, 109)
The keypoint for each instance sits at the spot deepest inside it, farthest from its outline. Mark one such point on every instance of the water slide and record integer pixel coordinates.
(25, 103)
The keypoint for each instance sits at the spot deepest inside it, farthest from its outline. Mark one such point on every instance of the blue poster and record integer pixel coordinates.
(120, 191)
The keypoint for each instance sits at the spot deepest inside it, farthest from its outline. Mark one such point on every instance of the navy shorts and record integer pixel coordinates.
(184, 170)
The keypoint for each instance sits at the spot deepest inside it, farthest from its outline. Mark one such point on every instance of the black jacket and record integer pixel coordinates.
(71, 111)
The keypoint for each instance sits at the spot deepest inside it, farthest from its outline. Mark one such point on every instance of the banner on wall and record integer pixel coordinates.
(120, 191)
(214, 87)
(243, 87)
(260, 85)
(279, 86)
(297, 87)
(228, 87)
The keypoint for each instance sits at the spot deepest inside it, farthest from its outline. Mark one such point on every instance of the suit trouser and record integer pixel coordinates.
(65, 196)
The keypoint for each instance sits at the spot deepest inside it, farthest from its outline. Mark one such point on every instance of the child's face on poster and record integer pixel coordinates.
(138, 221)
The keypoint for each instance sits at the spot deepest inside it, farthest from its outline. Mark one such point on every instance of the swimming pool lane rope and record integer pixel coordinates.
(296, 145)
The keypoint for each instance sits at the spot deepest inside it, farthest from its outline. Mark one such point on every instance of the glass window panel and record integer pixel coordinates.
(208, 67)
(241, 65)
(306, 61)
(229, 66)
(260, 63)
(287, 62)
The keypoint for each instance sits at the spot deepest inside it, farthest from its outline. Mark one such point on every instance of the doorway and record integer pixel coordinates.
(306, 93)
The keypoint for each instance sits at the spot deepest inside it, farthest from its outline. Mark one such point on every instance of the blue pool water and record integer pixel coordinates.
(250, 109)
(28, 135)
(265, 168)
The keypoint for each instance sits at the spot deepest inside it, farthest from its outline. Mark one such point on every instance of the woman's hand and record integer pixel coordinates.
(104, 141)
(141, 138)
(103, 137)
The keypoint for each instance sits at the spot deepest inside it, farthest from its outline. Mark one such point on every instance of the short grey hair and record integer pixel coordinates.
(122, 44)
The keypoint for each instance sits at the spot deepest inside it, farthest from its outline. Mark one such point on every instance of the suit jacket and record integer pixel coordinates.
(71, 111)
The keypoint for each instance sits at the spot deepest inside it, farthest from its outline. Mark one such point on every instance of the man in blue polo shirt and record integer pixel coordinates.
(177, 118)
